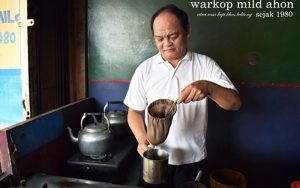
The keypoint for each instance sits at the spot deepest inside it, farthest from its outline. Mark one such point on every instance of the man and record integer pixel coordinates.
(177, 73)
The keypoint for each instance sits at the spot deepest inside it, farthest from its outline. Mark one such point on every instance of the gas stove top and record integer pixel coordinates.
(120, 153)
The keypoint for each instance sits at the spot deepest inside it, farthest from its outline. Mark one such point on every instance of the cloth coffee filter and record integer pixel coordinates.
(160, 115)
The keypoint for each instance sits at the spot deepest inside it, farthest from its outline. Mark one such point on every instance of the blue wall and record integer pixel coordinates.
(108, 91)
(262, 139)
(30, 135)
(38, 132)
(42, 143)
(10, 96)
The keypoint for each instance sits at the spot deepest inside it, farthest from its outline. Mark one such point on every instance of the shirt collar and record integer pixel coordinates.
(188, 57)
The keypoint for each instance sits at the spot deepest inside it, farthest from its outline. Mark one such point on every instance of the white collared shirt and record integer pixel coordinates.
(157, 79)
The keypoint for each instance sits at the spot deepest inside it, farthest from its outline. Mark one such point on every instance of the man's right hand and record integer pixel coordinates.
(136, 124)
(142, 145)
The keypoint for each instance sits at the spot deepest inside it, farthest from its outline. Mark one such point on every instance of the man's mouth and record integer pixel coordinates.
(171, 49)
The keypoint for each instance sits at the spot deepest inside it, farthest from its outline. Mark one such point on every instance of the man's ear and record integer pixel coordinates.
(188, 34)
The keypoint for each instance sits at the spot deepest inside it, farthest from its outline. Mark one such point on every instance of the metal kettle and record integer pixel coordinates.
(95, 139)
(116, 118)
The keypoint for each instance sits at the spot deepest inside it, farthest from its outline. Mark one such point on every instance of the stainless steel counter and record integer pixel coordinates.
(48, 181)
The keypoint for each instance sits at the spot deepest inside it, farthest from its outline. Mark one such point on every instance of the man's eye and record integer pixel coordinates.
(159, 38)
(174, 36)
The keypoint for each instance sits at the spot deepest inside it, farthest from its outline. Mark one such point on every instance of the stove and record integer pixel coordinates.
(114, 164)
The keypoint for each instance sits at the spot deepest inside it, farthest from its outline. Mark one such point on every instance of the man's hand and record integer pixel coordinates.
(195, 91)
(227, 99)
(142, 145)
(136, 124)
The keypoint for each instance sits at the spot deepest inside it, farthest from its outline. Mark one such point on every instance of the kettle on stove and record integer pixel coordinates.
(95, 139)
(116, 118)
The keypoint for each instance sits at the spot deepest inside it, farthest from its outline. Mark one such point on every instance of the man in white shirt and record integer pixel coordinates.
(177, 73)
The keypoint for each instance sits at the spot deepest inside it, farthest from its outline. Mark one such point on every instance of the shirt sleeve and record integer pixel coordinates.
(136, 95)
(218, 76)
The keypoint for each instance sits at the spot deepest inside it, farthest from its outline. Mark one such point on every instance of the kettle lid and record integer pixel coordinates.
(116, 113)
(93, 128)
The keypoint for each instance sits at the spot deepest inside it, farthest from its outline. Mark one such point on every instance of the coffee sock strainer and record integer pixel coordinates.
(160, 116)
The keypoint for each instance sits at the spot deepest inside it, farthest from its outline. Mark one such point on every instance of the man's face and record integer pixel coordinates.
(170, 38)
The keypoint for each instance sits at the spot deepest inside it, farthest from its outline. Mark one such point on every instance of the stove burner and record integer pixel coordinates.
(96, 158)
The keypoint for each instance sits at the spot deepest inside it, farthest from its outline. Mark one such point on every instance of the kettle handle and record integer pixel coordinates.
(82, 118)
(107, 121)
(94, 118)
(111, 102)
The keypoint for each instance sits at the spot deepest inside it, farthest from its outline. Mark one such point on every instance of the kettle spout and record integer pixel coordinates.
(72, 137)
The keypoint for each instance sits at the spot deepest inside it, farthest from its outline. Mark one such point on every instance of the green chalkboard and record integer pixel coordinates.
(249, 49)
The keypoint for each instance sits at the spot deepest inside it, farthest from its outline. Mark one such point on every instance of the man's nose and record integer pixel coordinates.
(167, 41)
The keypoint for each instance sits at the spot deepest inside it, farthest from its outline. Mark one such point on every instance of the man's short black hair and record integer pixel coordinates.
(180, 14)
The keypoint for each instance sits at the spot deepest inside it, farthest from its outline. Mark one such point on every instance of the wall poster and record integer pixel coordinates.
(10, 63)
